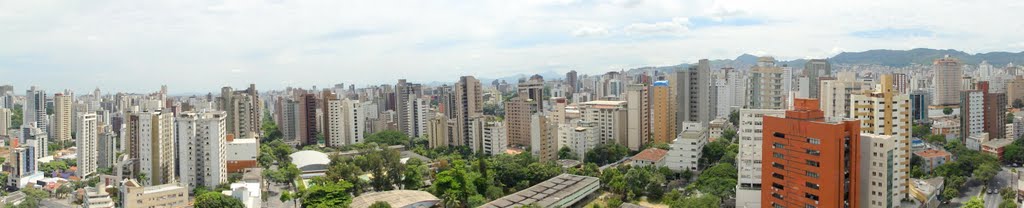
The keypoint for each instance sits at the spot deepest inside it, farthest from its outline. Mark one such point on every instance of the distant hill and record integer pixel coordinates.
(923, 56)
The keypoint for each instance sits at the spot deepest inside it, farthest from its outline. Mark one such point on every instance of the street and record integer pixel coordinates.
(1005, 178)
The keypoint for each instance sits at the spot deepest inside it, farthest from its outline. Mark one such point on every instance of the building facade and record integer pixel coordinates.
(87, 144)
(948, 72)
(663, 113)
(202, 148)
(809, 162)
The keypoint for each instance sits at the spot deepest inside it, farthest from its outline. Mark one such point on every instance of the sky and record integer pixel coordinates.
(200, 46)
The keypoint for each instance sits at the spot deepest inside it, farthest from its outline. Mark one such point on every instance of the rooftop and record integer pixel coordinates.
(396, 198)
(550, 193)
(604, 102)
(651, 154)
(308, 158)
(932, 153)
(998, 143)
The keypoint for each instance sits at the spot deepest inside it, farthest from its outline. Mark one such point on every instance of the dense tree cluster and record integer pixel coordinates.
(970, 164)
(606, 153)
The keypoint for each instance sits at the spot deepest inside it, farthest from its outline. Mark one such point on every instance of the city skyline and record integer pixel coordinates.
(197, 47)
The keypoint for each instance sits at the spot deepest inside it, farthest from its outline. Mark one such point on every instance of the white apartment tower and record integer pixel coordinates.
(150, 140)
(748, 185)
(883, 183)
(202, 145)
(686, 148)
(638, 103)
(87, 143)
(34, 112)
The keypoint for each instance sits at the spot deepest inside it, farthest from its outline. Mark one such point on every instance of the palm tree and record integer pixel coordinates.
(143, 179)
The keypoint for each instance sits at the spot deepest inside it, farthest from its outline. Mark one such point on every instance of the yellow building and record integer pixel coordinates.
(664, 113)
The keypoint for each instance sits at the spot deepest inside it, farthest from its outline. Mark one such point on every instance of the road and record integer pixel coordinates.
(1005, 178)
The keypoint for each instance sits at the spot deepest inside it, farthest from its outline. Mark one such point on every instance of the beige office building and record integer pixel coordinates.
(610, 118)
(766, 89)
(948, 73)
(62, 117)
(518, 111)
(134, 194)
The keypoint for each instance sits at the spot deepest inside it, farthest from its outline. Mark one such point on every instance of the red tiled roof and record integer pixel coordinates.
(652, 154)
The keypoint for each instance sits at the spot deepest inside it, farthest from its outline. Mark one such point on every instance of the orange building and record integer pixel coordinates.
(810, 162)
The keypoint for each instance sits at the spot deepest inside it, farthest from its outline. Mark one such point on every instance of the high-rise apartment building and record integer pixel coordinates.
(813, 69)
(919, 102)
(748, 159)
(995, 111)
(883, 173)
(418, 115)
(948, 73)
(519, 110)
(737, 87)
(810, 162)
(543, 137)
(610, 118)
(106, 150)
(638, 129)
(307, 129)
(766, 89)
(5, 121)
(572, 80)
(244, 112)
(835, 96)
(150, 141)
(693, 94)
(579, 137)
(469, 104)
(663, 113)
(34, 110)
(202, 148)
(333, 120)
(437, 131)
(62, 117)
(1015, 90)
(405, 94)
(886, 112)
(494, 140)
(972, 113)
(87, 144)
(686, 148)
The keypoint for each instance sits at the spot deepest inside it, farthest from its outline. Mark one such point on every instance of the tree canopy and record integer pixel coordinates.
(389, 137)
(606, 153)
(217, 200)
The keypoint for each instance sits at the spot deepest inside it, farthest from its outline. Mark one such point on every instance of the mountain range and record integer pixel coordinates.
(885, 57)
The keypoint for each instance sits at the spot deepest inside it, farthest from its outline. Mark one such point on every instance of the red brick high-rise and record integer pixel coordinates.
(810, 162)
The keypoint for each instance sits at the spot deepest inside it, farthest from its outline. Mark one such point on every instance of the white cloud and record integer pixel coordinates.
(47, 42)
(677, 26)
(590, 31)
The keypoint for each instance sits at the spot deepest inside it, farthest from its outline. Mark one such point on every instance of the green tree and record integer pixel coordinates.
(614, 202)
(286, 196)
(388, 137)
(604, 154)
(566, 153)
(455, 185)
(414, 172)
(734, 117)
(986, 171)
(1018, 103)
(975, 202)
(385, 166)
(947, 111)
(713, 152)
(936, 139)
(729, 134)
(380, 204)
(949, 193)
(920, 131)
(327, 194)
(16, 116)
(217, 200)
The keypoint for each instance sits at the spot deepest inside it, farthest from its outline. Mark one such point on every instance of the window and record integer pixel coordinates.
(812, 174)
(778, 155)
(812, 185)
(777, 196)
(813, 141)
(811, 196)
(813, 163)
(779, 176)
(777, 186)
(813, 152)
(778, 145)
(779, 135)
(809, 206)
(779, 166)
